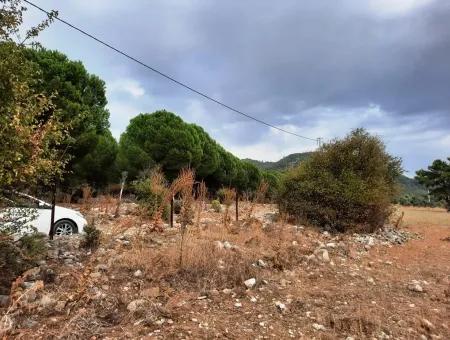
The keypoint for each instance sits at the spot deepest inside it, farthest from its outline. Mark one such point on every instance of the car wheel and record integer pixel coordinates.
(65, 227)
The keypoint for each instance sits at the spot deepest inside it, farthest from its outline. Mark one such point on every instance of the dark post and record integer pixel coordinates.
(52, 219)
(237, 205)
(171, 212)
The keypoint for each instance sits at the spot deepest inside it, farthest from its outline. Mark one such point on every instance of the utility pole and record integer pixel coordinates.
(52, 218)
(124, 178)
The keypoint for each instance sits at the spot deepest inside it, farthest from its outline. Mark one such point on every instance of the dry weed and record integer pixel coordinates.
(259, 197)
(87, 197)
(229, 195)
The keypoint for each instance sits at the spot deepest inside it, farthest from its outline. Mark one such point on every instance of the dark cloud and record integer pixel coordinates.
(289, 62)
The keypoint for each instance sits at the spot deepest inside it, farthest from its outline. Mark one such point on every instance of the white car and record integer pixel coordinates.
(67, 221)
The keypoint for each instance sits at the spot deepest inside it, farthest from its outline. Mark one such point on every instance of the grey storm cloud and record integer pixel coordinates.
(283, 61)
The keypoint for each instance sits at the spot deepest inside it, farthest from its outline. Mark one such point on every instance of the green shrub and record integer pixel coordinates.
(19, 256)
(149, 190)
(347, 184)
(220, 195)
(215, 204)
(91, 237)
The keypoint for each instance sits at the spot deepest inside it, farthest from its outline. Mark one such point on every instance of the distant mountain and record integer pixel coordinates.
(409, 185)
(283, 164)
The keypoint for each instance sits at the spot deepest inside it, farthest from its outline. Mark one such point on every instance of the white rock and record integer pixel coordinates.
(318, 327)
(250, 283)
(136, 305)
(219, 245)
(415, 286)
(322, 254)
(137, 273)
(238, 304)
(261, 263)
(427, 325)
(227, 245)
(47, 301)
(281, 306)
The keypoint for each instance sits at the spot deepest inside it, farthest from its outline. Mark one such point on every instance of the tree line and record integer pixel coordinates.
(161, 138)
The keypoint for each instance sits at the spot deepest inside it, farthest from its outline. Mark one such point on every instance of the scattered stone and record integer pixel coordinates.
(138, 273)
(219, 245)
(227, 291)
(136, 305)
(213, 292)
(371, 280)
(415, 286)
(238, 304)
(250, 283)
(27, 284)
(322, 254)
(47, 301)
(318, 327)
(60, 305)
(427, 325)
(227, 245)
(261, 263)
(281, 306)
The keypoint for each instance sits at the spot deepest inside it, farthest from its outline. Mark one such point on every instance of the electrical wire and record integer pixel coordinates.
(169, 77)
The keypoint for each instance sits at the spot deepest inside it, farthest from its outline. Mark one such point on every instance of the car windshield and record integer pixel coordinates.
(14, 199)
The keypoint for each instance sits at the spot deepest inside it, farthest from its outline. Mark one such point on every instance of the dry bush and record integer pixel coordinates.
(86, 200)
(186, 214)
(107, 203)
(229, 195)
(184, 181)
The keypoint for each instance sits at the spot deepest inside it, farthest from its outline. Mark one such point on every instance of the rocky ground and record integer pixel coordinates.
(260, 278)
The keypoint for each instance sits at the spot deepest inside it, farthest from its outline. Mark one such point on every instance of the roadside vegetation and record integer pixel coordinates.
(237, 222)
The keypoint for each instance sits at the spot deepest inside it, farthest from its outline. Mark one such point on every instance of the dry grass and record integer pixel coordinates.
(425, 216)
(107, 203)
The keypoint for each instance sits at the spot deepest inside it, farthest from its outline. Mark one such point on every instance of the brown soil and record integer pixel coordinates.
(362, 294)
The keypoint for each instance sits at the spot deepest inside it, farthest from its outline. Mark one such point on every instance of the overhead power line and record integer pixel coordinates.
(169, 77)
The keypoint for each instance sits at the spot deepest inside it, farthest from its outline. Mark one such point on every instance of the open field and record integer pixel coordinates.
(308, 284)
(415, 216)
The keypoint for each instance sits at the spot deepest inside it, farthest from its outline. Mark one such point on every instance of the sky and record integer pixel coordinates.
(315, 68)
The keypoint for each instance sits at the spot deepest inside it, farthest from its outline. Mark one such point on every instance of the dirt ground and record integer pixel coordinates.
(307, 284)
